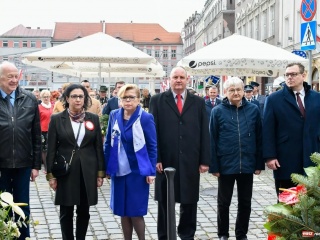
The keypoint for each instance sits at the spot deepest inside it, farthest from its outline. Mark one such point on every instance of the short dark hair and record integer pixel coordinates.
(85, 80)
(301, 67)
(120, 82)
(69, 89)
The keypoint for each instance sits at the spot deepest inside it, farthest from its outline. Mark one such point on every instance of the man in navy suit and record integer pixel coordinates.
(213, 100)
(291, 127)
(113, 103)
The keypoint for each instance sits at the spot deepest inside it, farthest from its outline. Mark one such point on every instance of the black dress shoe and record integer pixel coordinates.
(223, 238)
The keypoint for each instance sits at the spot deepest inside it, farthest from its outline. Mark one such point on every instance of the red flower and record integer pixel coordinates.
(290, 196)
(272, 236)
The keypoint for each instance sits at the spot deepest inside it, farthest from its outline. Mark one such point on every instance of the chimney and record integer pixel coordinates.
(38, 27)
(28, 27)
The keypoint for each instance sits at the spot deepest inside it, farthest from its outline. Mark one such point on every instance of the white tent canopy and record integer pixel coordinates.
(97, 55)
(239, 56)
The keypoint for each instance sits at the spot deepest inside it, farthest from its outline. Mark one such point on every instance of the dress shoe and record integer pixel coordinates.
(223, 238)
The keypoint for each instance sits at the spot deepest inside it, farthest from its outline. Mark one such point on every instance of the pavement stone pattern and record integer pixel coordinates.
(104, 225)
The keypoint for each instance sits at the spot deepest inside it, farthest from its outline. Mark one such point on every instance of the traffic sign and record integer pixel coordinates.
(308, 35)
(308, 9)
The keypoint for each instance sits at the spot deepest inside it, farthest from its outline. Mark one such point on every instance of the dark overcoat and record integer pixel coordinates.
(287, 136)
(88, 157)
(183, 143)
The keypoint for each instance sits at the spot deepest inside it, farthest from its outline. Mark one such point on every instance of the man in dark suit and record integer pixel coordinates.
(113, 103)
(213, 100)
(183, 143)
(256, 96)
(248, 91)
(291, 127)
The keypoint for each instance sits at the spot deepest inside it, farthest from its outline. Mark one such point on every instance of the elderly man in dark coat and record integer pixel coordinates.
(183, 143)
(291, 127)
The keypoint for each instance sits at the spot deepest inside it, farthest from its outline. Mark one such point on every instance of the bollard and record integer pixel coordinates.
(171, 216)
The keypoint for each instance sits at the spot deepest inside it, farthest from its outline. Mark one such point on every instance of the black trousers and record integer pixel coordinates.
(225, 192)
(83, 216)
(286, 183)
(187, 223)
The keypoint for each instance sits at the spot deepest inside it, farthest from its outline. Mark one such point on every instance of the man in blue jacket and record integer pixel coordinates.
(236, 154)
(291, 127)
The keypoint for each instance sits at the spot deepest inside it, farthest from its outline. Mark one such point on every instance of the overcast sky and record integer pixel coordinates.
(171, 14)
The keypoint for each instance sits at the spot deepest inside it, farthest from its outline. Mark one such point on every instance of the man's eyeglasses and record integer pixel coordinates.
(293, 74)
(235, 90)
(128, 98)
(77, 96)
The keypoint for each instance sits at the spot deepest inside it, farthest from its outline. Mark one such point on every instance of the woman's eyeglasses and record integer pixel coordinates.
(128, 98)
(77, 96)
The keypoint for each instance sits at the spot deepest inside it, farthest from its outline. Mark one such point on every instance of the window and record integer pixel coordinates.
(256, 26)
(165, 69)
(24, 44)
(5, 58)
(264, 25)
(272, 21)
(33, 44)
(5, 43)
(16, 44)
(149, 52)
(173, 53)
(43, 44)
(165, 53)
(156, 53)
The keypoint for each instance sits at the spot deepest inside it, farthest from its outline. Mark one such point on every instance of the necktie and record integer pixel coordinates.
(212, 103)
(300, 104)
(179, 103)
(9, 105)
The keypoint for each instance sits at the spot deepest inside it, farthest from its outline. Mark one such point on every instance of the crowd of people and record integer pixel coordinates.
(232, 137)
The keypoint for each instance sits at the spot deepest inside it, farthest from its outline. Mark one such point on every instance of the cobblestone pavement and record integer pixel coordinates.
(104, 225)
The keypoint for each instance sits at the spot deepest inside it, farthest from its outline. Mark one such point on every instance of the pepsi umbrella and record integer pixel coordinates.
(239, 56)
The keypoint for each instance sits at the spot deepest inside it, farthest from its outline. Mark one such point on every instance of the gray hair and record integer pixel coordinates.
(43, 92)
(234, 81)
(5, 64)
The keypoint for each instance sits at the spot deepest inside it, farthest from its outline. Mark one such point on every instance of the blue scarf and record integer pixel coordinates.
(118, 164)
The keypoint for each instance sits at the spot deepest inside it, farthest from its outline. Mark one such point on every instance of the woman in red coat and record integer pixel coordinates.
(45, 111)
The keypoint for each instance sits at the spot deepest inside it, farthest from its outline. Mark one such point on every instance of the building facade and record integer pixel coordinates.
(23, 40)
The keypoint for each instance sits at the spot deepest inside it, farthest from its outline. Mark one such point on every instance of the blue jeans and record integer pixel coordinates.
(17, 182)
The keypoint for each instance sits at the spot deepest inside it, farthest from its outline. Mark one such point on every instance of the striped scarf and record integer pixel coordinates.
(77, 117)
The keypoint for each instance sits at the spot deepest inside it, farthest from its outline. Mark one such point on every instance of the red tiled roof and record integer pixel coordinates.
(143, 33)
(22, 31)
(66, 31)
(135, 32)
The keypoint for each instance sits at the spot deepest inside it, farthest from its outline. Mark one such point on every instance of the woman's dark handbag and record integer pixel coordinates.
(60, 166)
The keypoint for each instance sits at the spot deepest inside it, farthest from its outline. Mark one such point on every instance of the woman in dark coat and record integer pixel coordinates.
(79, 187)
(131, 153)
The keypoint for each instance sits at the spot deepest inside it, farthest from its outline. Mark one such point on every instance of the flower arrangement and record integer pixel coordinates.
(296, 216)
(9, 228)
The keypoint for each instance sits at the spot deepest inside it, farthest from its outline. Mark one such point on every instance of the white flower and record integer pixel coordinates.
(7, 200)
